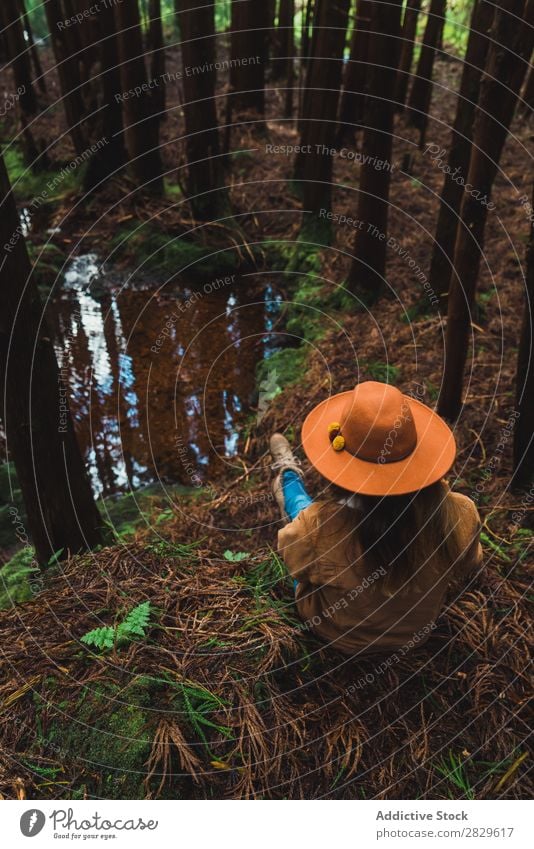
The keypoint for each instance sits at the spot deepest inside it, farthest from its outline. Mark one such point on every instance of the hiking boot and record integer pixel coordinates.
(283, 458)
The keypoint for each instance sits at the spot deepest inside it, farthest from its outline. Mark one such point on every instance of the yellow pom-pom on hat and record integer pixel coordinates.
(334, 429)
(338, 443)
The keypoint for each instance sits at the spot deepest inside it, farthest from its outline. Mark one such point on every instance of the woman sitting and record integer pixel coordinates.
(373, 559)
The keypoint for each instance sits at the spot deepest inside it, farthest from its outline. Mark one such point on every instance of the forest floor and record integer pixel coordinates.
(228, 695)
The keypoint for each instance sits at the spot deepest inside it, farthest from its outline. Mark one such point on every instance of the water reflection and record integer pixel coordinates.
(160, 382)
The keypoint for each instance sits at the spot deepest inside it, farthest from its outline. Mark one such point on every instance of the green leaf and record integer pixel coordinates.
(131, 628)
(235, 556)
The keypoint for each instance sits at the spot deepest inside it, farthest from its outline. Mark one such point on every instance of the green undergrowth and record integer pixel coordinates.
(152, 251)
(108, 732)
(37, 189)
(151, 506)
(17, 578)
(105, 729)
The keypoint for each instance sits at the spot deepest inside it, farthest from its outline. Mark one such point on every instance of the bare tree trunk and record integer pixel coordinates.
(352, 108)
(205, 173)
(409, 29)
(305, 49)
(18, 54)
(141, 128)
(40, 434)
(281, 39)
(319, 128)
(67, 67)
(421, 93)
(506, 69)
(250, 25)
(286, 58)
(460, 148)
(156, 47)
(110, 158)
(369, 264)
(38, 68)
(524, 387)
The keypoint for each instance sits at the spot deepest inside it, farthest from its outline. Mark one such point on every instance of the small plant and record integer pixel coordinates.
(18, 578)
(198, 704)
(235, 556)
(453, 770)
(383, 372)
(127, 631)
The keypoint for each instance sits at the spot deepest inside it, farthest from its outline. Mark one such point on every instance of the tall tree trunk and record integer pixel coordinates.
(250, 25)
(141, 128)
(287, 20)
(352, 108)
(38, 68)
(409, 29)
(282, 39)
(39, 430)
(67, 67)
(314, 167)
(524, 388)
(460, 148)
(156, 47)
(205, 174)
(110, 158)
(508, 57)
(308, 12)
(421, 93)
(369, 264)
(18, 54)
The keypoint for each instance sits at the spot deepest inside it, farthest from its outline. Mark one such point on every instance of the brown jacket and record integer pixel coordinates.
(346, 605)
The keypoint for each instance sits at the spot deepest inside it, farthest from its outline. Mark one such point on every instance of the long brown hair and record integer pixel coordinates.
(403, 533)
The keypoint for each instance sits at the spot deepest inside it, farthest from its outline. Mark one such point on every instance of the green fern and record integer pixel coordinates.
(130, 629)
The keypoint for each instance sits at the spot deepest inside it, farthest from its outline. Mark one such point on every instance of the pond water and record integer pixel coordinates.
(161, 381)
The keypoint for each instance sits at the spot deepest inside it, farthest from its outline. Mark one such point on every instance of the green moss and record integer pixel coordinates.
(42, 187)
(383, 372)
(283, 367)
(109, 732)
(125, 513)
(155, 252)
(16, 578)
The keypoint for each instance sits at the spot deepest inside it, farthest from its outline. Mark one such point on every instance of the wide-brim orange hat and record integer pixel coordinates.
(374, 440)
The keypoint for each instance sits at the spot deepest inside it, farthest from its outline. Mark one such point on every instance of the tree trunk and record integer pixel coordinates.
(524, 388)
(287, 18)
(41, 82)
(409, 30)
(156, 46)
(305, 47)
(67, 67)
(18, 54)
(250, 25)
(111, 157)
(352, 108)
(205, 174)
(421, 93)
(368, 268)
(508, 57)
(460, 149)
(283, 39)
(39, 430)
(314, 167)
(141, 128)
